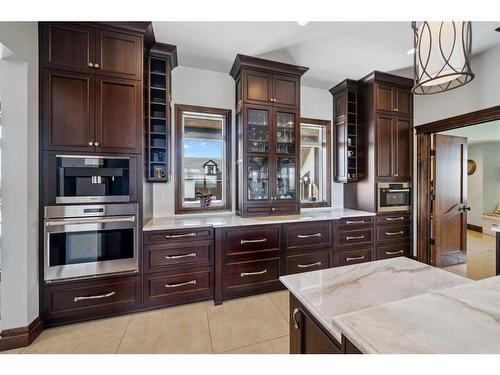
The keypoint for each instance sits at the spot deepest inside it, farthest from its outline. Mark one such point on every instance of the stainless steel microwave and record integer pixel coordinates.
(394, 197)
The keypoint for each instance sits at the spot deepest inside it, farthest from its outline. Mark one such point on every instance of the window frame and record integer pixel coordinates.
(328, 149)
(179, 136)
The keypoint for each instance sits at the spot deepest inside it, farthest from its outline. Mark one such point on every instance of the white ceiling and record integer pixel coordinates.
(333, 51)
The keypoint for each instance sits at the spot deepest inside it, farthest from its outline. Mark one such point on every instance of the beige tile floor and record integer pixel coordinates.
(480, 257)
(253, 325)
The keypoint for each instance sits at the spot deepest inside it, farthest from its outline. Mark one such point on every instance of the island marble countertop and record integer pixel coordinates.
(333, 292)
(231, 220)
(463, 319)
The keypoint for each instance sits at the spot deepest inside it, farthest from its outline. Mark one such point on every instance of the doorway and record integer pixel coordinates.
(458, 193)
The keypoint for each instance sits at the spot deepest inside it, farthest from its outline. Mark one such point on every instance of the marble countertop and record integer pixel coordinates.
(495, 229)
(463, 319)
(342, 290)
(231, 220)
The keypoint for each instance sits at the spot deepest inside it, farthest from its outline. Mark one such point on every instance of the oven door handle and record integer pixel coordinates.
(118, 219)
(397, 190)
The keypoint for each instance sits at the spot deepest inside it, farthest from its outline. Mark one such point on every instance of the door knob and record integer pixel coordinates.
(466, 208)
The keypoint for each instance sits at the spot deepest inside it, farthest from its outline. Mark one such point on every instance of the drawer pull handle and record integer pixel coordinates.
(193, 282)
(394, 218)
(394, 233)
(354, 221)
(308, 235)
(180, 235)
(243, 274)
(253, 241)
(180, 256)
(394, 252)
(348, 238)
(309, 265)
(83, 298)
(349, 259)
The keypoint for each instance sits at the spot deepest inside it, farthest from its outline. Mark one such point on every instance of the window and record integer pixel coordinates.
(315, 145)
(203, 159)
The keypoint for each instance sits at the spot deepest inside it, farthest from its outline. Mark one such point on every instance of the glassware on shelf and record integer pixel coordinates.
(285, 178)
(285, 133)
(258, 131)
(258, 178)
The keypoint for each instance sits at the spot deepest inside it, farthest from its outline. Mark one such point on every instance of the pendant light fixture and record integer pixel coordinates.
(442, 56)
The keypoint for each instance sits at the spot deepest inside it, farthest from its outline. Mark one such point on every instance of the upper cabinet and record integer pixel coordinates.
(102, 51)
(268, 133)
(393, 99)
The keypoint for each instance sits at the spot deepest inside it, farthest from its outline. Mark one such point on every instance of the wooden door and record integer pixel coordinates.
(384, 98)
(402, 148)
(286, 91)
(68, 111)
(404, 103)
(384, 146)
(68, 46)
(257, 87)
(119, 54)
(449, 217)
(118, 115)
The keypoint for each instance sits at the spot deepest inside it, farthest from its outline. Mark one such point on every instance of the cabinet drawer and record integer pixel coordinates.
(176, 288)
(93, 298)
(307, 262)
(272, 210)
(196, 253)
(255, 272)
(354, 236)
(251, 239)
(393, 232)
(394, 218)
(352, 257)
(176, 235)
(305, 235)
(393, 251)
(349, 222)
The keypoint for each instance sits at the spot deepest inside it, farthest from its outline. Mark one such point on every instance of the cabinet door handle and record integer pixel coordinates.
(253, 241)
(193, 282)
(394, 252)
(96, 66)
(180, 235)
(91, 143)
(394, 218)
(180, 256)
(243, 274)
(308, 235)
(83, 298)
(97, 144)
(394, 233)
(309, 265)
(349, 259)
(396, 109)
(348, 238)
(296, 323)
(354, 221)
(90, 65)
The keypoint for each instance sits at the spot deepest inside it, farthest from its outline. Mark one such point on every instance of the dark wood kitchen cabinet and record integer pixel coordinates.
(91, 49)
(393, 99)
(82, 112)
(268, 133)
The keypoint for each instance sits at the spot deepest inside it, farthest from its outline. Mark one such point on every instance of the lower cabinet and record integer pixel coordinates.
(393, 235)
(307, 336)
(312, 261)
(81, 300)
(346, 258)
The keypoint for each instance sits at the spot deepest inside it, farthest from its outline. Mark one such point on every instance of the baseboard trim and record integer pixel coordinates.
(475, 228)
(20, 337)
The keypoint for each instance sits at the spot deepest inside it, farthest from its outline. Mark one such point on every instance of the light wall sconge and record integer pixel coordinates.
(442, 56)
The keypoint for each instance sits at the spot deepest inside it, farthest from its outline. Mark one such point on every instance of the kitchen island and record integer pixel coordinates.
(392, 306)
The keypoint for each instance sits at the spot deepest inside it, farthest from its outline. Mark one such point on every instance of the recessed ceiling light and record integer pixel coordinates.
(411, 52)
(302, 23)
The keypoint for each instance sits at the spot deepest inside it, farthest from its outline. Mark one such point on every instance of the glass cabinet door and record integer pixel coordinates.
(258, 130)
(285, 132)
(258, 178)
(285, 178)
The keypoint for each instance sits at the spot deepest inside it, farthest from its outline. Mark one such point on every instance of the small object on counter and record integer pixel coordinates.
(205, 199)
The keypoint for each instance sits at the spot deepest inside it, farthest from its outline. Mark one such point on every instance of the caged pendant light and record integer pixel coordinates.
(442, 56)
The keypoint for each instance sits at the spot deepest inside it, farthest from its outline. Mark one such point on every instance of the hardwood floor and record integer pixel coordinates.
(480, 262)
(252, 325)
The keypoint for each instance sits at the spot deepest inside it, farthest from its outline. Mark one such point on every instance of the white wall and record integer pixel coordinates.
(213, 89)
(19, 96)
(475, 186)
(491, 176)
